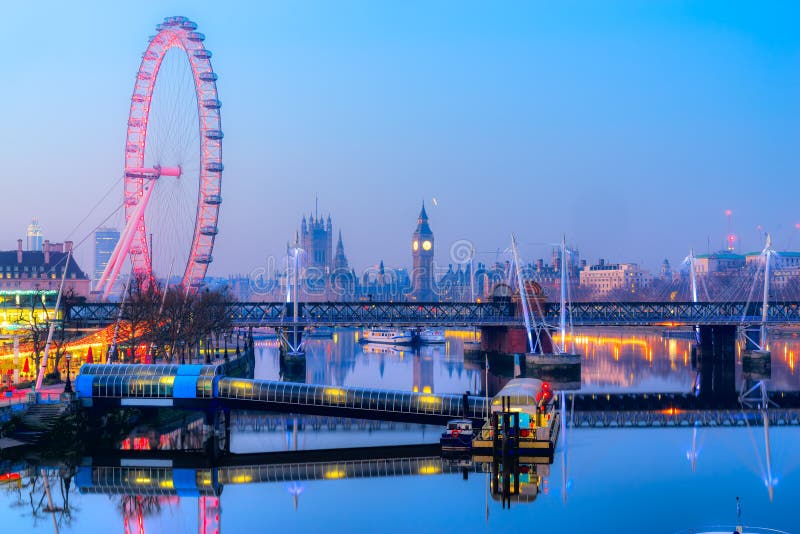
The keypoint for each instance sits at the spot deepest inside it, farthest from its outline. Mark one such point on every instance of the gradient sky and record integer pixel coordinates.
(631, 126)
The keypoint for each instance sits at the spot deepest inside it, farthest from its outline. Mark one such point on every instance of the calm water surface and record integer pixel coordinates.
(602, 480)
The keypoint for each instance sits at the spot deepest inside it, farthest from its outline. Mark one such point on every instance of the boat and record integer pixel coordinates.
(739, 528)
(728, 529)
(393, 336)
(537, 422)
(457, 436)
(431, 335)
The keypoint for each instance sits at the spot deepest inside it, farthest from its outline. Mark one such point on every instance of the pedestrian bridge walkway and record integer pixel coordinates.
(176, 473)
(204, 387)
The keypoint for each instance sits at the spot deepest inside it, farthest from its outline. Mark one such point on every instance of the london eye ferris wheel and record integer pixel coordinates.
(173, 162)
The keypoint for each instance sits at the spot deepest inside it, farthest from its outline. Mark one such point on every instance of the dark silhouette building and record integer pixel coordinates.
(422, 254)
(316, 240)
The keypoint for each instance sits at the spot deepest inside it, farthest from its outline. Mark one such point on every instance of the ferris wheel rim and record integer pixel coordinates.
(175, 32)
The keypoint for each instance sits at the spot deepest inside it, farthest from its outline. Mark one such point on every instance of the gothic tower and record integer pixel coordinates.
(422, 253)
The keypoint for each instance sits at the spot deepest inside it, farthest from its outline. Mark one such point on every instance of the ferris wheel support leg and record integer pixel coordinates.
(121, 250)
(124, 246)
(116, 255)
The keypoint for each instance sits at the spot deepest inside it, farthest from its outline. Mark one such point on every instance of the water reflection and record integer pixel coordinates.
(149, 486)
(653, 471)
(614, 360)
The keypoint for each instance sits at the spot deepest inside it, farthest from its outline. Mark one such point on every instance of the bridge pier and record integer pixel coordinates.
(219, 419)
(292, 367)
(504, 339)
(756, 363)
(291, 340)
(716, 363)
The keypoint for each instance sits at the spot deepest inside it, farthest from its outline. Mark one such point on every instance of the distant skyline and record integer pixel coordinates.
(630, 127)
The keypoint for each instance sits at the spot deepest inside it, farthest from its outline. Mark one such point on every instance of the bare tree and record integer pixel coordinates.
(140, 311)
(33, 318)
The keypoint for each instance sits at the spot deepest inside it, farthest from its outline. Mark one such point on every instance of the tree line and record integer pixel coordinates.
(171, 325)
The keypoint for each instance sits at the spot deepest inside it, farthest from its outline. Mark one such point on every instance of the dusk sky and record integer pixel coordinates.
(629, 126)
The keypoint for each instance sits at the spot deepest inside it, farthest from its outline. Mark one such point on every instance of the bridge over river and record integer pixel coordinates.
(484, 314)
(203, 388)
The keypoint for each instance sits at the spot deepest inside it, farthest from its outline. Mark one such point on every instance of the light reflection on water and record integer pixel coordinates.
(610, 480)
(613, 360)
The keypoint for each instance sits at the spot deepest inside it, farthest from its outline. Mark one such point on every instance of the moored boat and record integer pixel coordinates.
(536, 421)
(393, 336)
(431, 335)
(457, 436)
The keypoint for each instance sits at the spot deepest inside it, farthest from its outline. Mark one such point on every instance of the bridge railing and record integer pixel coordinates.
(473, 313)
(389, 467)
(333, 313)
(359, 399)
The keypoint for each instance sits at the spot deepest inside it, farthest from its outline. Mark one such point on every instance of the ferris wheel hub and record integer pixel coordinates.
(153, 173)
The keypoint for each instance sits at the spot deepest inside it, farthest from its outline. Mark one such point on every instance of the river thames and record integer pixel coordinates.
(601, 480)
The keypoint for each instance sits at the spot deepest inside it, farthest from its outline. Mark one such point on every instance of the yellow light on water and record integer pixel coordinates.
(431, 469)
(335, 473)
(167, 484)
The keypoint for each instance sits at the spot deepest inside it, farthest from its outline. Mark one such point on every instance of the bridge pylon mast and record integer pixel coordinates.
(523, 296)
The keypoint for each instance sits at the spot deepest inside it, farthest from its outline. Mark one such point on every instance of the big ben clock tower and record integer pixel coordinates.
(422, 252)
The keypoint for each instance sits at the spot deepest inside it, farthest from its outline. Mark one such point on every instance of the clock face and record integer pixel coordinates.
(415, 245)
(427, 245)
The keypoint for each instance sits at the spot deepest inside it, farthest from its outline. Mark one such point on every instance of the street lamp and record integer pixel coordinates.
(68, 385)
(227, 337)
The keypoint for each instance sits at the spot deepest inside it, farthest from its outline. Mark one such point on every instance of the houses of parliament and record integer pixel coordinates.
(324, 273)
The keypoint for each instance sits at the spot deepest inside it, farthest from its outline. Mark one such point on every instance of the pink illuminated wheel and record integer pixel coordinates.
(173, 161)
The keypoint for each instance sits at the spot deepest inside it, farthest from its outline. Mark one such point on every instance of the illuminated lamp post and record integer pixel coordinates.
(68, 385)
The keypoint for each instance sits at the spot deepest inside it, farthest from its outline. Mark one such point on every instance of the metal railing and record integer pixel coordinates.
(279, 314)
(361, 399)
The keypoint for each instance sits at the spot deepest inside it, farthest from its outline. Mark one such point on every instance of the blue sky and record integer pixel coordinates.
(630, 126)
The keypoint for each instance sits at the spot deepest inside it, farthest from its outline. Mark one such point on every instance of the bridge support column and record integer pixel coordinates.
(716, 363)
(219, 419)
(291, 340)
(756, 363)
(504, 339)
